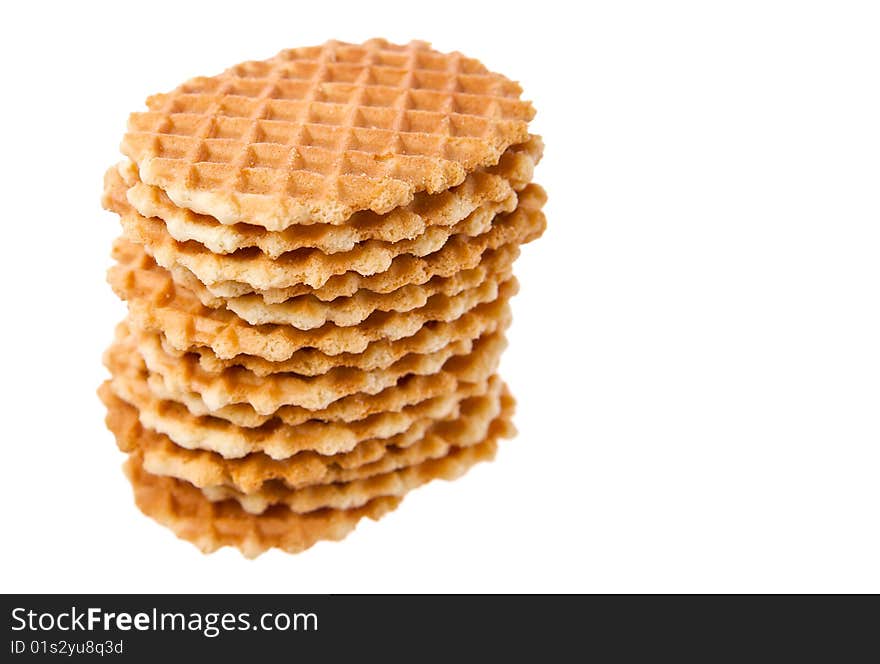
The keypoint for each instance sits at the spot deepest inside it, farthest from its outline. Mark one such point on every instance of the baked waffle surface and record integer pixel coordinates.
(353, 494)
(277, 281)
(315, 134)
(408, 391)
(266, 394)
(260, 474)
(223, 431)
(481, 320)
(156, 302)
(311, 267)
(306, 312)
(182, 508)
(432, 214)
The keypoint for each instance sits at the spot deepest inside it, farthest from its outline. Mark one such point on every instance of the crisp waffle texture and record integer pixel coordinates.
(226, 433)
(459, 252)
(211, 525)
(156, 302)
(317, 257)
(266, 394)
(482, 319)
(495, 185)
(358, 492)
(307, 312)
(316, 134)
(252, 473)
(311, 267)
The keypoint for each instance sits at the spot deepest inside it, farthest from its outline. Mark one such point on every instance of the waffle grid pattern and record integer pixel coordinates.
(333, 125)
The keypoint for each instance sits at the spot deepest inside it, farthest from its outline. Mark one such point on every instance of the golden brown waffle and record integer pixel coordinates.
(522, 225)
(267, 394)
(274, 436)
(307, 312)
(460, 252)
(209, 525)
(464, 377)
(311, 267)
(251, 473)
(157, 303)
(482, 320)
(316, 134)
(280, 441)
(408, 391)
(356, 493)
(411, 396)
(486, 186)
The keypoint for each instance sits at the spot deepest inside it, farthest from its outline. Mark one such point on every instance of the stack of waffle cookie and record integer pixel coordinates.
(316, 257)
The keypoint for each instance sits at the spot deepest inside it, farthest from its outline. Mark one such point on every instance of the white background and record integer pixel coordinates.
(696, 351)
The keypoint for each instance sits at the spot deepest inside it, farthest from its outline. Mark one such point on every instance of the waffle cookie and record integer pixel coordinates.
(275, 436)
(314, 135)
(210, 525)
(256, 274)
(156, 302)
(317, 256)
(248, 474)
(307, 312)
(497, 184)
(311, 267)
(266, 394)
(481, 320)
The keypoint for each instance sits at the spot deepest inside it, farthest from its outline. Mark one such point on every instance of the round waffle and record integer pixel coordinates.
(315, 134)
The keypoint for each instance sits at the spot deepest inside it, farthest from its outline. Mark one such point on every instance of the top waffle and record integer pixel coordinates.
(315, 134)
